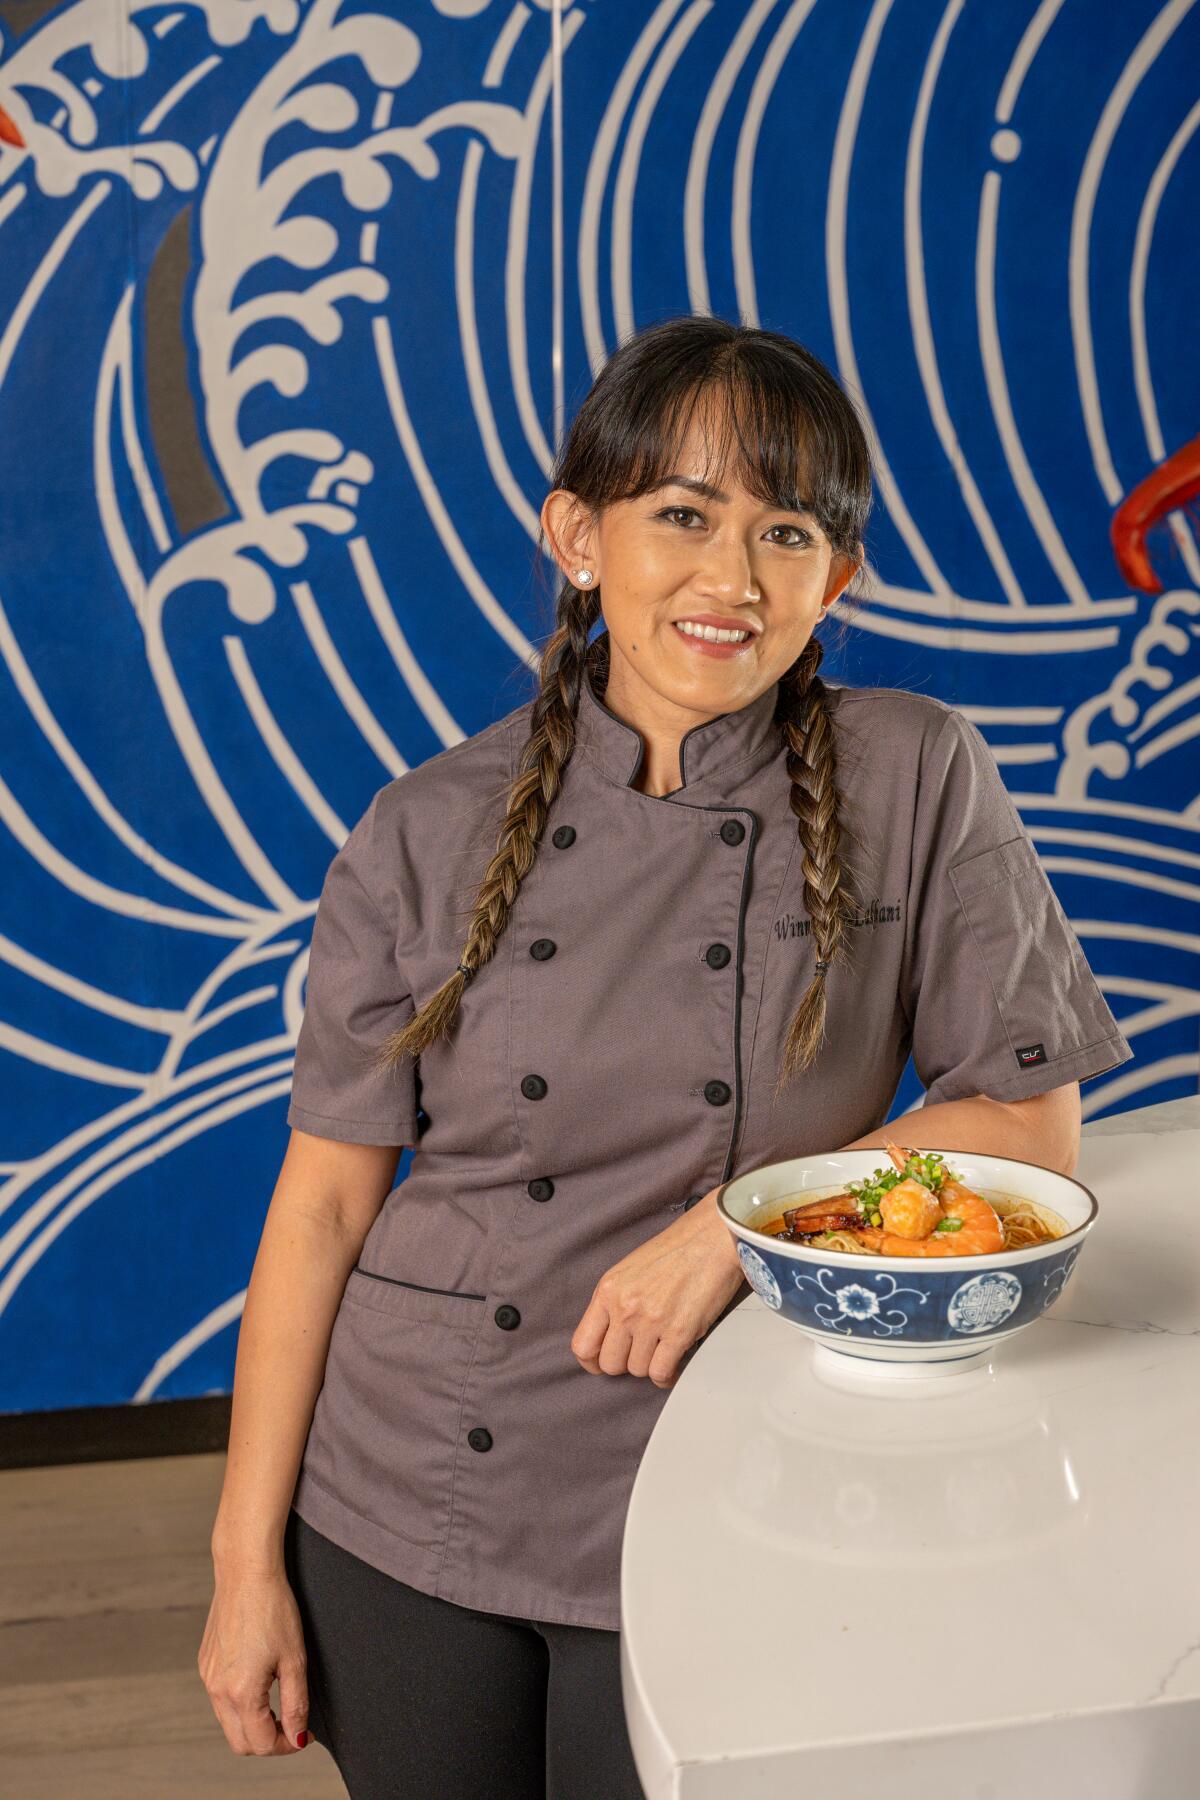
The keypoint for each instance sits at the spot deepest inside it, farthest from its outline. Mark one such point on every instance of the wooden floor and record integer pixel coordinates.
(105, 1586)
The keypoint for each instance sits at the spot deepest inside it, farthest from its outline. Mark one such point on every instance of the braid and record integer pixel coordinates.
(546, 754)
(803, 714)
(806, 728)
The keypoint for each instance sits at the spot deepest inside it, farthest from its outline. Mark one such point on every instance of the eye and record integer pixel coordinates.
(796, 543)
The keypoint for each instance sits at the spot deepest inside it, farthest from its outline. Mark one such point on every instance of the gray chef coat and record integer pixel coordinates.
(616, 1057)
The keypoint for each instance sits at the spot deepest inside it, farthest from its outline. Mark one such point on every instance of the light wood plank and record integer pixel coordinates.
(105, 1586)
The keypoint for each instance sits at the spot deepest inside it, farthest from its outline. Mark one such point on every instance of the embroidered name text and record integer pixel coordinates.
(789, 925)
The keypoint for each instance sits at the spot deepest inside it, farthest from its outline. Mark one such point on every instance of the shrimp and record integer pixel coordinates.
(981, 1231)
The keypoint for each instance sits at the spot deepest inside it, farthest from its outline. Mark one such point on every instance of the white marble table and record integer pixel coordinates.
(989, 1587)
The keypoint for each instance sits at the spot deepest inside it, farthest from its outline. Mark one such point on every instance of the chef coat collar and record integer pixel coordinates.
(706, 750)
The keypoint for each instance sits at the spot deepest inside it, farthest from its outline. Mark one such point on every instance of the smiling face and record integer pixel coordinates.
(698, 545)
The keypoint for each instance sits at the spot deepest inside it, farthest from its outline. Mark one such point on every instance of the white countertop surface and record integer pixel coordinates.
(989, 1588)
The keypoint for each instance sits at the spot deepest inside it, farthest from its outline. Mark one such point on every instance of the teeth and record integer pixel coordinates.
(710, 633)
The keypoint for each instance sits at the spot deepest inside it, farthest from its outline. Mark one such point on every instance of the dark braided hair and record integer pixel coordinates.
(801, 444)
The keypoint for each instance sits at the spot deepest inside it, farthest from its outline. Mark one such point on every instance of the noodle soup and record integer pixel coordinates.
(991, 1243)
(915, 1205)
(1023, 1221)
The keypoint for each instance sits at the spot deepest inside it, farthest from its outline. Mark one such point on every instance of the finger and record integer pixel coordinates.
(282, 1746)
(589, 1335)
(664, 1364)
(260, 1727)
(230, 1722)
(614, 1351)
(293, 1698)
(642, 1353)
(249, 1725)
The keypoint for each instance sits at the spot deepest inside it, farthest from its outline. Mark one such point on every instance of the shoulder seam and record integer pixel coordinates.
(851, 694)
(348, 863)
(449, 751)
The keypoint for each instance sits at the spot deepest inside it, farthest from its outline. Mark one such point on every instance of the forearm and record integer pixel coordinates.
(1029, 1133)
(295, 1289)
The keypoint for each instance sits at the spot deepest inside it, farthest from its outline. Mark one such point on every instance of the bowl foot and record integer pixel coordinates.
(831, 1364)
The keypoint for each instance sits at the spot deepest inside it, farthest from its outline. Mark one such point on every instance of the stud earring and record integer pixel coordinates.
(583, 578)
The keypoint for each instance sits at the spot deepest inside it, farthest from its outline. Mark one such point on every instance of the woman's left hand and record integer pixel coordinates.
(658, 1301)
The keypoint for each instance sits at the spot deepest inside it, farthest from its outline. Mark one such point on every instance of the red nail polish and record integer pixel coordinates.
(302, 1738)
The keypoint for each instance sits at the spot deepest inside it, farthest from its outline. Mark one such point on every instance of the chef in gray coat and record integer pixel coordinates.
(686, 912)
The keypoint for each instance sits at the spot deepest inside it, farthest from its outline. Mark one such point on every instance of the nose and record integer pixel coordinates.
(726, 570)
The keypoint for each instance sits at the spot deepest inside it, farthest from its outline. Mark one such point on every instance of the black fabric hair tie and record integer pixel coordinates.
(467, 972)
(821, 968)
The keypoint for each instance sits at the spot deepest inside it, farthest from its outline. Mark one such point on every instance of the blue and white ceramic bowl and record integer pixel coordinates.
(900, 1315)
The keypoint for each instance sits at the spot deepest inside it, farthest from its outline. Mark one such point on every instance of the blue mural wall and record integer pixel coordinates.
(295, 300)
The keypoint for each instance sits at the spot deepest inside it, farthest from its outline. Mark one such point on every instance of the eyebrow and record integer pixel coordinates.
(707, 491)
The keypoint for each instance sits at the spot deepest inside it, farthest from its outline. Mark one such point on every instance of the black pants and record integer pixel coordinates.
(416, 1698)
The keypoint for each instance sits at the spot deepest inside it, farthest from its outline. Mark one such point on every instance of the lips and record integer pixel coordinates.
(700, 645)
(706, 619)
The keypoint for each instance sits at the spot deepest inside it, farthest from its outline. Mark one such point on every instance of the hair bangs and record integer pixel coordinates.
(763, 423)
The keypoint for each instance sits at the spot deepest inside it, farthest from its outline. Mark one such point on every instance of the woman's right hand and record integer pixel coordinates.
(254, 1634)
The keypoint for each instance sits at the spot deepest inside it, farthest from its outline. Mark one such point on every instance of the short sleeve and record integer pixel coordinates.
(355, 997)
(998, 993)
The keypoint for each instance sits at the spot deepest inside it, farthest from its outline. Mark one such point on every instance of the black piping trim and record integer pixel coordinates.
(457, 1293)
(737, 1004)
(683, 742)
(692, 806)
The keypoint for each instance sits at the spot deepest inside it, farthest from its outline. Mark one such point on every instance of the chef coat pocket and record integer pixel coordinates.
(991, 868)
(385, 1430)
(1007, 903)
(409, 1300)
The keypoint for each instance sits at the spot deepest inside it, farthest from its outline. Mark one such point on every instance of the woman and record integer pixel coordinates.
(684, 913)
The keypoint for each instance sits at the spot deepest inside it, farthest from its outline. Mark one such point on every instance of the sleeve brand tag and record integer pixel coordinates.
(1031, 1055)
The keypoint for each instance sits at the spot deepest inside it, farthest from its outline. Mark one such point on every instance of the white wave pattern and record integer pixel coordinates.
(298, 197)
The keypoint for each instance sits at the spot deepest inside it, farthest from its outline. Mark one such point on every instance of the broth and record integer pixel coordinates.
(768, 1219)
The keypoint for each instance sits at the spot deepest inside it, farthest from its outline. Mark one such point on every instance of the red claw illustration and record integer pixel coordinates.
(8, 131)
(1171, 485)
